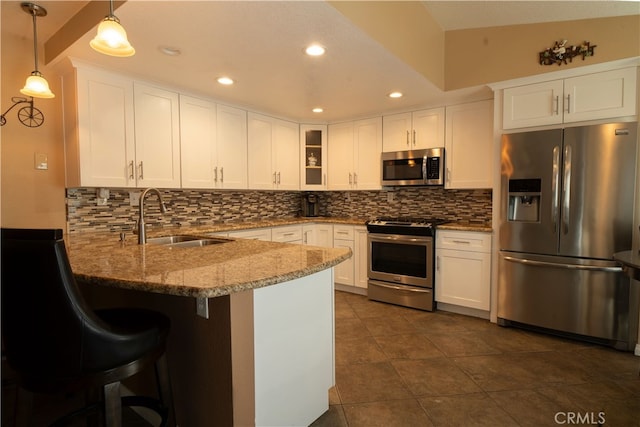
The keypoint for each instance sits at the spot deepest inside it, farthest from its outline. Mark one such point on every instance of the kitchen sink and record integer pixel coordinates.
(185, 241)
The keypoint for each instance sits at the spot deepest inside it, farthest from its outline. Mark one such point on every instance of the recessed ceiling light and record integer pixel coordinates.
(395, 95)
(315, 50)
(225, 81)
(317, 110)
(170, 51)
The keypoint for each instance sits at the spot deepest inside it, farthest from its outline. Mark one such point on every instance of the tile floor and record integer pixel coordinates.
(401, 367)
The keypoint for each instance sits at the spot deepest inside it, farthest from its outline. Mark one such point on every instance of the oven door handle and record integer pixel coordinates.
(397, 237)
(401, 287)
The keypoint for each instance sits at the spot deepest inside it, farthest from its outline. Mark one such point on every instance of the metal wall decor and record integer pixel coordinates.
(560, 53)
(28, 115)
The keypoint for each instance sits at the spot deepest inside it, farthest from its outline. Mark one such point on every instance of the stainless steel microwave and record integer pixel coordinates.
(415, 167)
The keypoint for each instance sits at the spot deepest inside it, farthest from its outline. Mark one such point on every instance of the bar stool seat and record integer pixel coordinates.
(56, 343)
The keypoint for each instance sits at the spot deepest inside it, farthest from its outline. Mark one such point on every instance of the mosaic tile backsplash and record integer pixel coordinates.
(197, 207)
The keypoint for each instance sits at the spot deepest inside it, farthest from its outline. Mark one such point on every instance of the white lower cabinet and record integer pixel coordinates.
(360, 256)
(463, 268)
(318, 235)
(343, 238)
(353, 271)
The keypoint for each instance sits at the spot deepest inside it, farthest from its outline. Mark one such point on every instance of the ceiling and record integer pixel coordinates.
(260, 44)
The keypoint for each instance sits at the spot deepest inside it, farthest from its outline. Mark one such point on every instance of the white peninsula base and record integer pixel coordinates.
(283, 355)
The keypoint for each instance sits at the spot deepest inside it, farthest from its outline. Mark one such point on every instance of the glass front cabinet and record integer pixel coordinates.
(313, 140)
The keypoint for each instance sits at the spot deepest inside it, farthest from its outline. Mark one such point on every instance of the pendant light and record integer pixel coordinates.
(112, 38)
(36, 85)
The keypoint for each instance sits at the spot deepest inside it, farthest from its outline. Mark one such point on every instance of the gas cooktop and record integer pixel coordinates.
(404, 225)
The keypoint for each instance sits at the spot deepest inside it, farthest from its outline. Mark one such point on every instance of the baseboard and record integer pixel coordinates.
(350, 289)
(474, 312)
(637, 350)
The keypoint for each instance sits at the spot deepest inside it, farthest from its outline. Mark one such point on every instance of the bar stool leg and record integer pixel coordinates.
(112, 405)
(164, 388)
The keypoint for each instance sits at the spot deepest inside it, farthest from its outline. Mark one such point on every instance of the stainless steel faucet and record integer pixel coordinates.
(142, 234)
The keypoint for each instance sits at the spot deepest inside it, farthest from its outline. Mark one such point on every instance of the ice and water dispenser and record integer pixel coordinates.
(524, 200)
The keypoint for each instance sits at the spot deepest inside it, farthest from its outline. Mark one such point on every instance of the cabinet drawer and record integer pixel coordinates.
(343, 232)
(253, 234)
(464, 241)
(287, 234)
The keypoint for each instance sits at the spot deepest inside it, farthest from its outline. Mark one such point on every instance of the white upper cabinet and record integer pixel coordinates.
(595, 96)
(412, 131)
(98, 129)
(198, 142)
(468, 145)
(273, 153)
(231, 137)
(354, 155)
(313, 152)
(157, 130)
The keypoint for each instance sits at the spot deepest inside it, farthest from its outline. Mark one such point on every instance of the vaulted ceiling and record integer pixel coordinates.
(260, 44)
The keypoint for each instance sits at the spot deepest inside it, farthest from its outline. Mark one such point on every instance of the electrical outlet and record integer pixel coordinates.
(389, 196)
(134, 198)
(202, 307)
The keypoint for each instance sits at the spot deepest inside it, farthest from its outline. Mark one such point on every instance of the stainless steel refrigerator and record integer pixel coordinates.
(566, 206)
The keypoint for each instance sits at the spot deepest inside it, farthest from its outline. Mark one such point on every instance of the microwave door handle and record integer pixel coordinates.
(555, 188)
(424, 169)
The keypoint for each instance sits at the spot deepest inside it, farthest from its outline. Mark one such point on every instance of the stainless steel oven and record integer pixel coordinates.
(401, 261)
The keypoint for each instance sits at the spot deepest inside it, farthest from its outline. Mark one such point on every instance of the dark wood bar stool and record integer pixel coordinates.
(57, 344)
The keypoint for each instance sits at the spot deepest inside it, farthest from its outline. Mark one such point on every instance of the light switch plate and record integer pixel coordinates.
(41, 161)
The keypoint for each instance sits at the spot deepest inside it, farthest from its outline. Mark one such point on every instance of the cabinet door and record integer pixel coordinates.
(262, 176)
(468, 145)
(344, 272)
(232, 147)
(368, 150)
(532, 105)
(157, 124)
(313, 141)
(601, 95)
(428, 129)
(286, 154)
(396, 132)
(361, 257)
(197, 142)
(463, 278)
(340, 168)
(99, 137)
(324, 235)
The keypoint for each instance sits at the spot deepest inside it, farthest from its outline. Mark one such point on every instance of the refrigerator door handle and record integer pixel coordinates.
(555, 188)
(566, 189)
(561, 265)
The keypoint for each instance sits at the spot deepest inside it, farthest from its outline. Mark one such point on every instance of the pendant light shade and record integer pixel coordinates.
(112, 38)
(36, 85)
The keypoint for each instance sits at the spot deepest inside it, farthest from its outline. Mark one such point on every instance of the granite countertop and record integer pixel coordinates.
(466, 226)
(276, 222)
(209, 271)
(630, 261)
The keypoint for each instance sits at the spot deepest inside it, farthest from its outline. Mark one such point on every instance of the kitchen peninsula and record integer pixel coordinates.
(252, 338)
